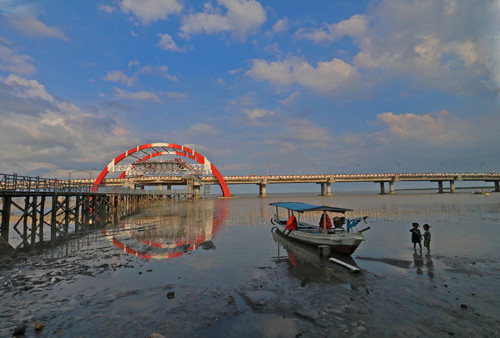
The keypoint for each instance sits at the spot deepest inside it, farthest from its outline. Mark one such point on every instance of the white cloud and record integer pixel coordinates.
(331, 76)
(435, 137)
(167, 43)
(44, 135)
(30, 25)
(355, 26)
(292, 97)
(106, 8)
(120, 77)
(281, 25)
(176, 95)
(15, 63)
(140, 95)
(203, 128)
(160, 70)
(148, 11)
(455, 52)
(297, 135)
(134, 63)
(30, 89)
(242, 17)
(255, 115)
(433, 128)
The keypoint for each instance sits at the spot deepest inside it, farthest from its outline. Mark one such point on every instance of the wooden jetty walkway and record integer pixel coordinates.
(38, 210)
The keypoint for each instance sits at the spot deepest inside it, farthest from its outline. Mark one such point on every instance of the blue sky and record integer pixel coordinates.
(274, 87)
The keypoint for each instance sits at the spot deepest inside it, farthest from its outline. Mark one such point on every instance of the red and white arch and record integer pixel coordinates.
(146, 151)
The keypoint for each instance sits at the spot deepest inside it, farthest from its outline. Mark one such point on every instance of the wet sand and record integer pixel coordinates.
(249, 283)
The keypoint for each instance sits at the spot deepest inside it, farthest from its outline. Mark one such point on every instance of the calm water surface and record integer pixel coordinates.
(213, 268)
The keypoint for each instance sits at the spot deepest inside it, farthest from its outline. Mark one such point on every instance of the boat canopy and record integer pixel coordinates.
(301, 207)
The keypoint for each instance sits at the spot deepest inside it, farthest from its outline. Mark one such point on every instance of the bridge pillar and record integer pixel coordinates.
(382, 188)
(497, 186)
(452, 186)
(160, 187)
(197, 189)
(440, 187)
(328, 189)
(262, 189)
(169, 188)
(322, 189)
(391, 187)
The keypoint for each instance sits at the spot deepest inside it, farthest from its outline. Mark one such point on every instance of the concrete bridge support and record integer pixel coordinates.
(382, 188)
(326, 188)
(452, 186)
(197, 189)
(391, 187)
(497, 186)
(440, 187)
(262, 189)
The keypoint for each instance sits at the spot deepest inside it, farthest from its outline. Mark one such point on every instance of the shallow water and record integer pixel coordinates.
(225, 273)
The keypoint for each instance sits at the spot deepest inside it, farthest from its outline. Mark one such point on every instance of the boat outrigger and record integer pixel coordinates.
(327, 233)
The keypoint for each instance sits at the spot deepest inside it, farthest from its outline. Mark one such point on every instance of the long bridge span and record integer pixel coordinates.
(444, 181)
(140, 167)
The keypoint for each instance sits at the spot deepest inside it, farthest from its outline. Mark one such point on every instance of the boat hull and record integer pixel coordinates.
(344, 243)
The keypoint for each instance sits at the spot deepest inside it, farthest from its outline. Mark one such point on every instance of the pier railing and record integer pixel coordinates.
(18, 183)
(13, 183)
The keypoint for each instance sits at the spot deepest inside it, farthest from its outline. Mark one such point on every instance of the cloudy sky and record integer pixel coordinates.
(258, 87)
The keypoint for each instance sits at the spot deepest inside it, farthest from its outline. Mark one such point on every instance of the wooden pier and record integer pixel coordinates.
(35, 210)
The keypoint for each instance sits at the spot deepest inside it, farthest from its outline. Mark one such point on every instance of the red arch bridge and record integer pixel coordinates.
(168, 164)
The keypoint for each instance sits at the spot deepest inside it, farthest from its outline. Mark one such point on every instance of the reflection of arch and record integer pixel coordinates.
(169, 148)
(179, 246)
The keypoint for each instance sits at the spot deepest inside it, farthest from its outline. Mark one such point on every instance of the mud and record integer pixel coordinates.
(247, 283)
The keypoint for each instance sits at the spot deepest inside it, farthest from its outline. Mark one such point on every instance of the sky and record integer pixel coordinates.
(258, 87)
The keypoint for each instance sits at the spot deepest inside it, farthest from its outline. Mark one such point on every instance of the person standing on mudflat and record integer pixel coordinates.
(416, 236)
(427, 238)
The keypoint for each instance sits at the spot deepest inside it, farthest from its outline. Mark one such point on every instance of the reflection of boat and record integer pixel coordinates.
(400, 263)
(329, 234)
(307, 265)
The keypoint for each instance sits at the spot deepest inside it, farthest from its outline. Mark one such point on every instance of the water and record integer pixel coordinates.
(225, 274)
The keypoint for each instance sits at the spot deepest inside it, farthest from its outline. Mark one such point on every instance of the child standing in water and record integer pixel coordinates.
(427, 238)
(416, 237)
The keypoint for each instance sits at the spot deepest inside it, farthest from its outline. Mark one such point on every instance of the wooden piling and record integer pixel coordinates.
(5, 225)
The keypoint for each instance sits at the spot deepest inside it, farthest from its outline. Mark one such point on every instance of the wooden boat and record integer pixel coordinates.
(339, 236)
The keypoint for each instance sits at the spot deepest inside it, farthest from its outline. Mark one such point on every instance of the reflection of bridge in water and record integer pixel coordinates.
(165, 236)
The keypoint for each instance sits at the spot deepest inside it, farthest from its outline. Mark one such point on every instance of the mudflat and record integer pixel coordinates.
(213, 268)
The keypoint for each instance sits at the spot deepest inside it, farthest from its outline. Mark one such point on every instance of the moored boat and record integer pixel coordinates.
(340, 236)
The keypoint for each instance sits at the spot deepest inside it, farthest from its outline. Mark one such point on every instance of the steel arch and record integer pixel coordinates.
(180, 150)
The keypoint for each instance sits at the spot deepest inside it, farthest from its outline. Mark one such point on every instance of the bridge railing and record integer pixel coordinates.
(18, 183)
(10, 183)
